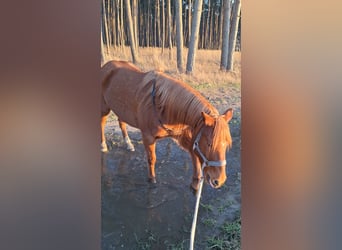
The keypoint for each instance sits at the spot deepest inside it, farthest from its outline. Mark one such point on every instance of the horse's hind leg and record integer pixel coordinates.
(128, 142)
(104, 116)
(150, 147)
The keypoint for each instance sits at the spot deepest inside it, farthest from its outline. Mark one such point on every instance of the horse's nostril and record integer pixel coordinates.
(215, 182)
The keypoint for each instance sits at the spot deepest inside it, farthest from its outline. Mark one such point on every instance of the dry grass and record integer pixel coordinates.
(206, 70)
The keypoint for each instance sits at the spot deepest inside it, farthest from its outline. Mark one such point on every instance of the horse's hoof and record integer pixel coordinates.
(129, 144)
(104, 148)
(130, 148)
(193, 189)
(195, 184)
(152, 180)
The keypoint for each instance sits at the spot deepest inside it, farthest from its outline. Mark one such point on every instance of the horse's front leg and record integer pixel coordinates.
(150, 147)
(197, 172)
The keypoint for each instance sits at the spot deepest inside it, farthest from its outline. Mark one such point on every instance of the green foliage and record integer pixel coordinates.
(207, 207)
(209, 222)
(229, 238)
(179, 246)
(146, 244)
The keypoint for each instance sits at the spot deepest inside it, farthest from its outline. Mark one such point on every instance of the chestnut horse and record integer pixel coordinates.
(160, 107)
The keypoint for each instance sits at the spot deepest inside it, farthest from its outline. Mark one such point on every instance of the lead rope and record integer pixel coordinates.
(194, 221)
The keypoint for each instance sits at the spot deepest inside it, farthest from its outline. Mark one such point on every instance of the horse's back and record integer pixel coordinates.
(119, 64)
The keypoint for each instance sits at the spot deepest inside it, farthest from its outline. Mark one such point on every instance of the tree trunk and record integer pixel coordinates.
(179, 35)
(225, 34)
(194, 36)
(233, 33)
(131, 35)
(211, 26)
(216, 31)
(104, 16)
(185, 28)
(141, 25)
(220, 34)
(203, 31)
(114, 23)
(207, 27)
(154, 28)
(163, 26)
(118, 23)
(148, 24)
(157, 16)
(135, 22)
(189, 20)
(122, 26)
(110, 21)
(102, 49)
(169, 20)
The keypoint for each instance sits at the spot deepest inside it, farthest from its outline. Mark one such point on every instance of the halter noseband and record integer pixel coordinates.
(206, 163)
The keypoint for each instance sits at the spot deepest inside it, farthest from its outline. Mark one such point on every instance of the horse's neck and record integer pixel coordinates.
(188, 134)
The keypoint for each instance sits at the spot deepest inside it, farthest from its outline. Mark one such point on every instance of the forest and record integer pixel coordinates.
(201, 24)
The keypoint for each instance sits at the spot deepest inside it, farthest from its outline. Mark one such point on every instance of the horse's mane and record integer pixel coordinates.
(221, 131)
(177, 102)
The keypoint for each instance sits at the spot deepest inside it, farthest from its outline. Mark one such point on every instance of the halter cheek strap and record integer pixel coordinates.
(206, 163)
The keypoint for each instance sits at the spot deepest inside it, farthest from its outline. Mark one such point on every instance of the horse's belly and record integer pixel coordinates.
(126, 116)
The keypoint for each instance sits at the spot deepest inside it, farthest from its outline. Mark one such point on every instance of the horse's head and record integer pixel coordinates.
(211, 144)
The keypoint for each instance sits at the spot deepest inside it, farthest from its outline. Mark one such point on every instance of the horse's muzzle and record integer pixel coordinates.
(215, 182)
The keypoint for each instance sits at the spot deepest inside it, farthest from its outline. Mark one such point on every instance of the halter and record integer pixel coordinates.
(205, 163)
(153, 94)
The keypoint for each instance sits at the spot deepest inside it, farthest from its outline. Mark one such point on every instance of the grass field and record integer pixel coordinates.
(206, 70)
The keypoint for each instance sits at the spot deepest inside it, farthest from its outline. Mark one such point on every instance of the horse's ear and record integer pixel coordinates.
(208, 120)
(228, 115)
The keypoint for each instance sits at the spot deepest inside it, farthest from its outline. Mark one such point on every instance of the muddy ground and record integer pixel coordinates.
(140, 215)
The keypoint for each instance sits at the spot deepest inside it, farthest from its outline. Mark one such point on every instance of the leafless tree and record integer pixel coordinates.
(194, 36)
(189, 19)
(169, 24)
(179, 35)
(233, 33)
(105, 24)
(131, 31)
(163, 26)
(225, 34)
(135, 22)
